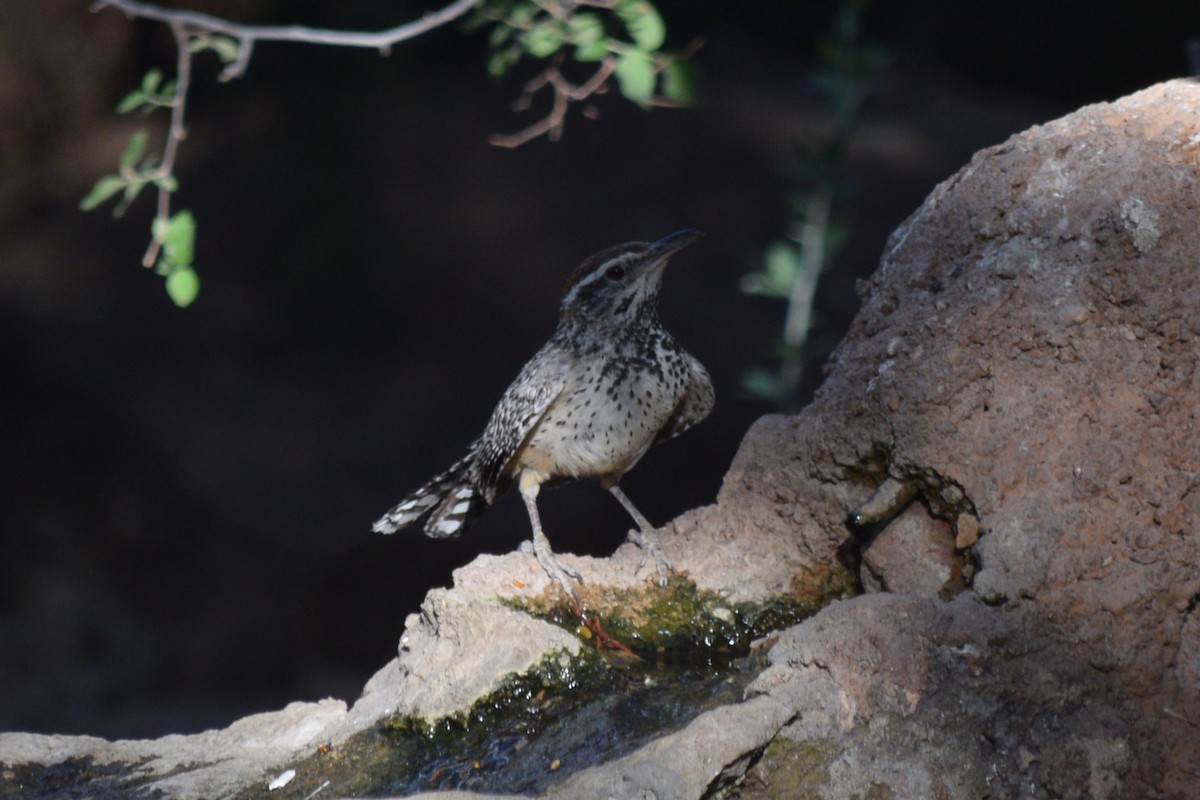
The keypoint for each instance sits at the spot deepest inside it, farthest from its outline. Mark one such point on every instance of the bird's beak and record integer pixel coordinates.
(674, 242)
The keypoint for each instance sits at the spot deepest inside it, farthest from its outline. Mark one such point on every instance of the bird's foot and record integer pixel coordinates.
(647, 539)
(557, 570)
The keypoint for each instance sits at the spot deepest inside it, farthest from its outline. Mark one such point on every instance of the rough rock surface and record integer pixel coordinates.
(1029, 354)
(204, 765)
(917, 556)
(1027, 360)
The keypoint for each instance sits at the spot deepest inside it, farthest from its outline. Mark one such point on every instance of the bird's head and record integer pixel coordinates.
(618, 287)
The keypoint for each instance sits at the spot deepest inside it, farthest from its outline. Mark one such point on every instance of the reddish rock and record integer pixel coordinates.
(1029, 354)
(914, 554)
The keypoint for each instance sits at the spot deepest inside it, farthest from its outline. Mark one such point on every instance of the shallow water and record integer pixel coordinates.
(528, 739)
(547, 741)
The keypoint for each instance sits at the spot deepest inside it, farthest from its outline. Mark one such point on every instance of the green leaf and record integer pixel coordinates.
(523, 14)
(592, 52)
(133, 100)
(182, 286)
(502, 61)
(226, 47)
(178, 238)
(635, 76)
(133, 150)
(586, 28)
(542, 41)
(131, 192)
(105, 188)
(150, 81)
(587, 34)
(644, 24)
(680, 82)
(499, 34)
(782, 261)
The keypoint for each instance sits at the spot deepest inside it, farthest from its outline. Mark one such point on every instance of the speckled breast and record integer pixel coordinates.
(606, 418)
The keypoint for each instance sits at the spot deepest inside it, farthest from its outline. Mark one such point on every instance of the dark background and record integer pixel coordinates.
(186, 495)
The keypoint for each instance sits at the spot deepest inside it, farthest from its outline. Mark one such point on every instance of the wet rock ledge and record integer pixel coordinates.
(1005, 459)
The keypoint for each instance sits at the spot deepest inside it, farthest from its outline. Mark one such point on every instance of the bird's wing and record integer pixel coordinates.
(695, 405)
(523, 405)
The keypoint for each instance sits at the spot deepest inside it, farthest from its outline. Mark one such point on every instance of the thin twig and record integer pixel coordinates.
(196, 21)
(565, 93)
(237, 67)
(556, 10)
(175, 134)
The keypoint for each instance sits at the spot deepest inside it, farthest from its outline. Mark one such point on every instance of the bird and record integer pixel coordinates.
(610, 383)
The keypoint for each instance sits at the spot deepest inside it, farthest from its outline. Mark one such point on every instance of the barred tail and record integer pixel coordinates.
(446, 503)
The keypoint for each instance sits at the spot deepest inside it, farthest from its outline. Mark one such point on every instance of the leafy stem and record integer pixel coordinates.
(626, 43)
(792, 266)
(175, 135)
(172, 235)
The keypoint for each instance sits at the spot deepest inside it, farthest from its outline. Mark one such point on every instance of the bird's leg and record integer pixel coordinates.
(646, 537)
(541, 545)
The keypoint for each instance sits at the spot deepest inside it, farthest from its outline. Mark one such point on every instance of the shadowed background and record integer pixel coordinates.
(187, 494)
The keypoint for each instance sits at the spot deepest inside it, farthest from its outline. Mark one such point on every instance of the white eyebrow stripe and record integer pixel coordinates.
(597, 273)
(570, 296)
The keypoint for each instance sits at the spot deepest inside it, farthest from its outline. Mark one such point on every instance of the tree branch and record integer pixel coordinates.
(247, 35)
(175, 134)
(185, 25)
(565, 93)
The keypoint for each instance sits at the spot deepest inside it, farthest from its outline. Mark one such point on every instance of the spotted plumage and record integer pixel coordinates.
(610, 383)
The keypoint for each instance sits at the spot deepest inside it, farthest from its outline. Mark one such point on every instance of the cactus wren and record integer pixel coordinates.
(609, 383)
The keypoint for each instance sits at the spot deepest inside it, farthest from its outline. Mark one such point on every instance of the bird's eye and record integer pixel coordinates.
(615, 273)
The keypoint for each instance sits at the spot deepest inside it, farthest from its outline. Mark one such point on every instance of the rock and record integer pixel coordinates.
(966, 531)
(204, 765)
(875, 684)
(461, 646)
(1027, 353)
(1027, 359)
(914, 554)
(710, 753)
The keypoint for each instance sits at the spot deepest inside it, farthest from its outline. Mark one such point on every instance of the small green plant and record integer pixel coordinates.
(792, 266)
(172, 235)
(624, 38)
(542, 29)
(134, 173)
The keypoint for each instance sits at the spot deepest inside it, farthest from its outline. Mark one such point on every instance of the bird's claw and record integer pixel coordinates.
(557, 570)
(563, 577)
(648, 542)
